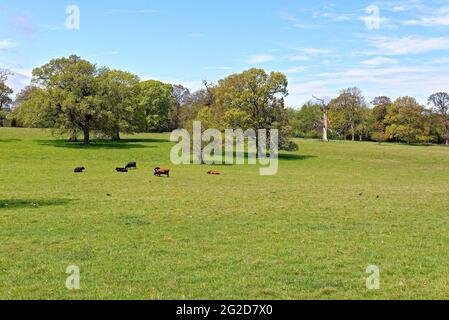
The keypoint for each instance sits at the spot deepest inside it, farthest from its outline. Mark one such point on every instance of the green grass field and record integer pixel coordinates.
(306, 233)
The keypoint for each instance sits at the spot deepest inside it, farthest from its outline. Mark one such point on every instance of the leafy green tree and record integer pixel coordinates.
(345, 111)
(157, 101)
(33, 108)
(118, 94)
(406, 121)
(440, 104)
(308, 121)
(380, 109)
(72, 88)
(258, 95)
(236, 118)
(189, 111)
(182, 98)
(5, 96)
(364, 123)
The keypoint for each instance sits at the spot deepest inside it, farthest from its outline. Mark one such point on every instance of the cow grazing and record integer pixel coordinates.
(161, 172)
(79, 170)
(131, 165)
(121, 170)
(214, 173)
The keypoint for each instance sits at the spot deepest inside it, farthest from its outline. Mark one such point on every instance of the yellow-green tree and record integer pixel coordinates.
(406, 121)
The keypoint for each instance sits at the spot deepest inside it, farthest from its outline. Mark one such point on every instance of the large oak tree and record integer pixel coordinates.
(72, 88)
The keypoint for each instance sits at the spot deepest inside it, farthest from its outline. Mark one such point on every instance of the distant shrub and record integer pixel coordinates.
(289, 146)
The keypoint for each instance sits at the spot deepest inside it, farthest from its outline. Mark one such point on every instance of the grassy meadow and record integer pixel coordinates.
(307, 233)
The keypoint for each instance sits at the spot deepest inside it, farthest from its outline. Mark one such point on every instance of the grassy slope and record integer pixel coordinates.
(303, 234)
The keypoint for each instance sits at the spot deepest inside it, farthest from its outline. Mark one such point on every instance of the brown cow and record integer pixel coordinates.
(215, 173)
(161, 172)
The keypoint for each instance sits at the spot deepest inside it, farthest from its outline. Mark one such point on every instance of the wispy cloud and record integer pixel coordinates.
(260, 58)
(19, 79)
(51, 27)
(379, 61)
(294, 21)
(7, 44)
(440, 18)
(314, 51)
(294, 70)
(334, 16)
(406, 45)
(118, 11)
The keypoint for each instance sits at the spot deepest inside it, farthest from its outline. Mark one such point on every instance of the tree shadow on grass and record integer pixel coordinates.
(146, 141)
(292, 156)
(95, 144)
(10, 140)
(31, 203)
(281, 156)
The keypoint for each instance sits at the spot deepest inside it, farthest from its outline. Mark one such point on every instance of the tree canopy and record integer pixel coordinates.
(76, 97)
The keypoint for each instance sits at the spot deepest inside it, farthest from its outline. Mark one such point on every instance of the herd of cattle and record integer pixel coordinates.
(158, 171)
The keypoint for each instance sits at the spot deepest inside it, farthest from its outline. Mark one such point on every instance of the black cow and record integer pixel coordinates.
(131, 165)
(79, 170)
(121, 170)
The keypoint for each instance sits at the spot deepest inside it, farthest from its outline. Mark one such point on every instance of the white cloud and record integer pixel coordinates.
(297, 23)
(7, 44)
(430, 21)
(379, 61)
(334, 16)
(293, 70)
(50, 27)
(19, 79)
(406, 45)
(418, 81)
(117, 11)
(314, 51)
(297, 58)
(439, 18)
(260, 58)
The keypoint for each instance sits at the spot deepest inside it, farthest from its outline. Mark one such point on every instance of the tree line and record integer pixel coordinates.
(350, 117)
(75, 97)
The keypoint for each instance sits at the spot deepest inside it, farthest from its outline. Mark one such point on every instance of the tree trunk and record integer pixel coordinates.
(116, 136)
(73, 137)
(86, 132)
(352, 132)
(325, 127)
(447, 134)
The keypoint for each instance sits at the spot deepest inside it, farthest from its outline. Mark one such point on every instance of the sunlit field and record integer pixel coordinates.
(308, 232)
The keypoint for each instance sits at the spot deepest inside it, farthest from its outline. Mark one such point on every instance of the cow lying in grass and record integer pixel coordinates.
(131, 165)
(161, 172)
(79, 170)
(214, 173)
(121, 170)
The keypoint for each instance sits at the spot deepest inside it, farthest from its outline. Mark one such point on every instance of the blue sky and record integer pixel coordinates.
(389, 48)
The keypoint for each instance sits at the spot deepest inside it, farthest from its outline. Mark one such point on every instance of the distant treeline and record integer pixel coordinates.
(75, 97)
(350, 117)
